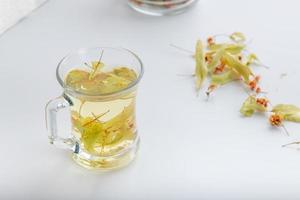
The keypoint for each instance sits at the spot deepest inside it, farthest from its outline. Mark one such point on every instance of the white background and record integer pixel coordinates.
(11, 11)
(191, 148)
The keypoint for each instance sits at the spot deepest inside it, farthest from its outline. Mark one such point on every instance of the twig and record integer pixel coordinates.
(182, 49)
(290, 144)
(96, 118)
(285, 130)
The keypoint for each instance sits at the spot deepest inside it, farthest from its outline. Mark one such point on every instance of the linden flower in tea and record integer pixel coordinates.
(103, 127)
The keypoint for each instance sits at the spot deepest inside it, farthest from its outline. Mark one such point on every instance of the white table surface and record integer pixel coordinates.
(12, 11)
(191, 148)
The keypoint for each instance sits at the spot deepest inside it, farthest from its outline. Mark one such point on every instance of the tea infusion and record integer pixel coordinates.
(105, 127)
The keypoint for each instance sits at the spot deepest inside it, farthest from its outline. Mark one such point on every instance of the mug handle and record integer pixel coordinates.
(52, 108)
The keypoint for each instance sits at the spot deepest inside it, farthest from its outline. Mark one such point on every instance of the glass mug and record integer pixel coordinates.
(161, 7)
(108, 138)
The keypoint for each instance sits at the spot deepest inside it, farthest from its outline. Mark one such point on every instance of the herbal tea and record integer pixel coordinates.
(104, 127)
(100, 95)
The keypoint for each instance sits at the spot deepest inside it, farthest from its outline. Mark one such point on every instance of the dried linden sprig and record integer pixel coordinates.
(253, 104)
(226, 62)
(96, 66)
(288, 112)
(201, 68)
(237, 37)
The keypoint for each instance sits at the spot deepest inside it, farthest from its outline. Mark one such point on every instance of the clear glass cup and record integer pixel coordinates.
(111, 141)
(161, 7)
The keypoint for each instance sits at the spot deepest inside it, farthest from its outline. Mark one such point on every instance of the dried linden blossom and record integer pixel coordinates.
(237, 37)
(230, 48)
(231, 61)
(216, 59)
(252, 105)
(234, 64)
(223, 63)
(224, 78)
(287, 112)
(251, 59)
(201, 68)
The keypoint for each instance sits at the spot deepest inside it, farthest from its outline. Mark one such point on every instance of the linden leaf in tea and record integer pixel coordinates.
(121, 125)
(101, 82)
(125, 73)
(91, 136)
(114, 83)
(90, 131)
(75, 77)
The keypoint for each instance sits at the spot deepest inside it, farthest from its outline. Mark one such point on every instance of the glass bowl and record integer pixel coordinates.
(161, 7)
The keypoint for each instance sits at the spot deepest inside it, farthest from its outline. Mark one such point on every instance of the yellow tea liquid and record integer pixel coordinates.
(104, 128)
